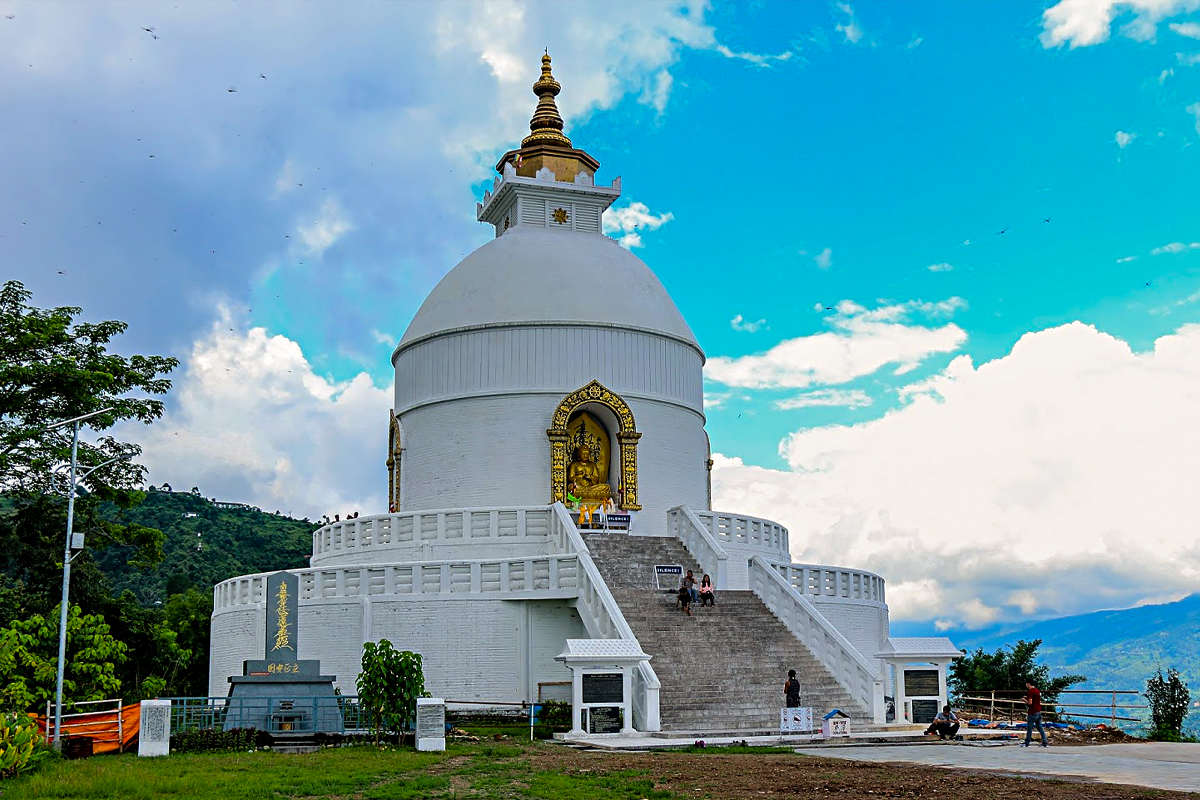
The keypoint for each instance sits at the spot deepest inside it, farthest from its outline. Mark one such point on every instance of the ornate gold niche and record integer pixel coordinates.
(393, 462)
(564, 430)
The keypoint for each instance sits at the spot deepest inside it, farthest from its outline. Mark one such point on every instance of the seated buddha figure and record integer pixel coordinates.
(585, 475)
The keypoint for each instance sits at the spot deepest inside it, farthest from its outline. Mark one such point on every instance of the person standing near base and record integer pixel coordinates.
(1033, 702)
(791, 690)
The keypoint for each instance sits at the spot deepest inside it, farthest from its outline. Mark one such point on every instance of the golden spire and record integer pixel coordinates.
(546, 125)
(547, 146)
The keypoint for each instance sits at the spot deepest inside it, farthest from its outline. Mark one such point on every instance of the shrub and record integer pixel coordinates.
(556, 715)
(21, 746)
(389, 685)
(216, 740)
(1169, 698)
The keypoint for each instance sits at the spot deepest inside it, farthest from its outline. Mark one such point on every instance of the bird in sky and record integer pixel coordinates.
(1047, 219)
(232, 89)
(1005, 230)
(264, 77)
(10, 16)
(60, 272)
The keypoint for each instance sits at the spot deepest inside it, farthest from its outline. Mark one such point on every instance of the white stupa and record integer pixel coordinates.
(551, 373)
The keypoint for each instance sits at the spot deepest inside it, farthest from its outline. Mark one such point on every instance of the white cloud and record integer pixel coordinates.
(1126, 259)
(1059, 479)
(251, 422)
(1162, 78)
(629, 221)
(740, 323)
(288, 179)
(942, 267)
(850, 30)
(1123, 139)
(863, 341)
(914, 43)
(757, 59)
(1194, 110)
(1080, 23)
(1188, 29)
(824, 259)
(1175, 247)
(1188, 59)
(854, 398)
(328, 225)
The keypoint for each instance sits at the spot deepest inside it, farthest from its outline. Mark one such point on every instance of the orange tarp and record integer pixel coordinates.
(109, 734)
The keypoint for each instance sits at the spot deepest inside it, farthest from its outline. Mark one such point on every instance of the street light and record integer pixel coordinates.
(62, 621)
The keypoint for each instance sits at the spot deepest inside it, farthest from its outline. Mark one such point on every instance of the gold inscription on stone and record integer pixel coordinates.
(283, 639)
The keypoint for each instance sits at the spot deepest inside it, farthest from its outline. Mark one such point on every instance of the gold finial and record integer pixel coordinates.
(546, 125)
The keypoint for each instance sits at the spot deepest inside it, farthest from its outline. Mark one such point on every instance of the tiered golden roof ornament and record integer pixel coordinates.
(547, 145)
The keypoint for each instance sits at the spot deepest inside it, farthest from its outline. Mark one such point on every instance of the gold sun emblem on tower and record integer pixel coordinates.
(560, 216)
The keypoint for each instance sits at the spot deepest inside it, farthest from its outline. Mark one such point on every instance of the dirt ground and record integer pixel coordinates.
(738, 776)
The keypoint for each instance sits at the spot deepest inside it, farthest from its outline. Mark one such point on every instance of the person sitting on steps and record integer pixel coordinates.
(689, 581)
(945, 724)
(707, 598)
(684, 598)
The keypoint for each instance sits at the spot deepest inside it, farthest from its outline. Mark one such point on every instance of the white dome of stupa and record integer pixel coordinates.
(544, 276)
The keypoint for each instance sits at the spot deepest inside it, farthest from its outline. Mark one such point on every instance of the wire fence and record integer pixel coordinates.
(1009, 705)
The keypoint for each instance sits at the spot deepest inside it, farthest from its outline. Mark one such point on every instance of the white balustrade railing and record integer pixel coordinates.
(848, 667)
(417, 535)
(686, 525)
(553, 576)
(819, 582)
(602, 617)
(738, 531)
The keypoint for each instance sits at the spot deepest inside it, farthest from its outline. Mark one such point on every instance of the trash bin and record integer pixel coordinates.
(77, 747)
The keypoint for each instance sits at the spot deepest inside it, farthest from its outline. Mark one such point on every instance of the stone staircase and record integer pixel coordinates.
(723, 668)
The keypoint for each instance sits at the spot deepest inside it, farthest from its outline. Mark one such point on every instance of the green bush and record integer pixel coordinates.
(389, 684)
(215, 740)
(21, 746)
(555, 715)
(1169, 699)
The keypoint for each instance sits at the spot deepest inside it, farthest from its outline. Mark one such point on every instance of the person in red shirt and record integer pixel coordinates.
(1033, 702)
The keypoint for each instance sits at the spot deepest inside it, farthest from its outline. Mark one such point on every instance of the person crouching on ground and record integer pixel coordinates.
(945, 724)
(1033, 702)
(707, 598)
(685, 598)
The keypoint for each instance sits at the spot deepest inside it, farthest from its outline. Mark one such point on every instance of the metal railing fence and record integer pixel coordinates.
(102, 721)
(997, 700)
(283, 714)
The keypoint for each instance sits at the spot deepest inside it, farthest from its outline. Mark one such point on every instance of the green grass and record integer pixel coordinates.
(489, 770)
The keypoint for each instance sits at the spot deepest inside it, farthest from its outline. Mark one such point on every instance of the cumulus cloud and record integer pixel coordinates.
(942, 267)
(252, 422)
(1057, 479)
(1188, 59)
(1194, 110)
(626, 223)
(862, 342)
(1188, 29)
(1162, 78)
(740, 323)
(1175, 247)
(1081, 23)
(321, 230)
(1123, 139)
(824, 259)
(854, 398)
(850, 30)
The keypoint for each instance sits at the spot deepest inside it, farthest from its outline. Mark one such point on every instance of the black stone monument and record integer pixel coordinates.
(280, 693)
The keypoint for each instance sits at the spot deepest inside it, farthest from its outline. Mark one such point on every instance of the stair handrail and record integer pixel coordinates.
(833, 650)
(602, 615)
(698, 539)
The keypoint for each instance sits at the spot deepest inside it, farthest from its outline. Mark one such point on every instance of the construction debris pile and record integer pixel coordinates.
(1065, 733)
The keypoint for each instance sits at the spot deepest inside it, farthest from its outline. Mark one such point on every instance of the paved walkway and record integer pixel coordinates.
(1156, 765)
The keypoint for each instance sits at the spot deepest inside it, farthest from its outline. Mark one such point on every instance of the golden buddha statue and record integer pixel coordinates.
(584, 476)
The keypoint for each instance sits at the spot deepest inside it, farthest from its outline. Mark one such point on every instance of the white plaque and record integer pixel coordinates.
(154, 731)
(835, 727)
(431, 723)
(795, 720)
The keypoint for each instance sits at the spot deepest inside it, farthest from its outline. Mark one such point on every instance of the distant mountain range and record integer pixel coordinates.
(1115, 649)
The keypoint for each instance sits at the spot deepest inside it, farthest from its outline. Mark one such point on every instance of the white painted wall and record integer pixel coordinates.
(865, 624)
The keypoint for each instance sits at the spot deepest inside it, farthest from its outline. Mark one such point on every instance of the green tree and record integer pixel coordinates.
(1169, 699)
(187, 617)
(29, 661)
(1009, 667)
(53, 368)
(389, 685)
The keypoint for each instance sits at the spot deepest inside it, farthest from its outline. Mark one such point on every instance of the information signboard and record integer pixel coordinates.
(668, 576)
(604, 687)
(604, 719)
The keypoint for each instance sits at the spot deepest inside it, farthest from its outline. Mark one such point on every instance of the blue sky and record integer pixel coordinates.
(821, 186)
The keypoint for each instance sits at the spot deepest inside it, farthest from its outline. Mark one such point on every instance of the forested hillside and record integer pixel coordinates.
(204, 544)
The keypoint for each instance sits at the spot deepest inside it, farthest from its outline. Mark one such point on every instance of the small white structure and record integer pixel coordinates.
(601, 684)
(431, 723)
(154, 732)
(919, 675)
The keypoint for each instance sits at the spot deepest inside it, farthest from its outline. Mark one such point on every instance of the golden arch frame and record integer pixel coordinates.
(627, 439)
(394, 453)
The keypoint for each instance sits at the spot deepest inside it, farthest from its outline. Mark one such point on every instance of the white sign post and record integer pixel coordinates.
(795, 720)
(431, 723)
(154, 733)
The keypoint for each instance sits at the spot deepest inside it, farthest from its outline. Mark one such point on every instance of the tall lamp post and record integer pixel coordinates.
(72, 488)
